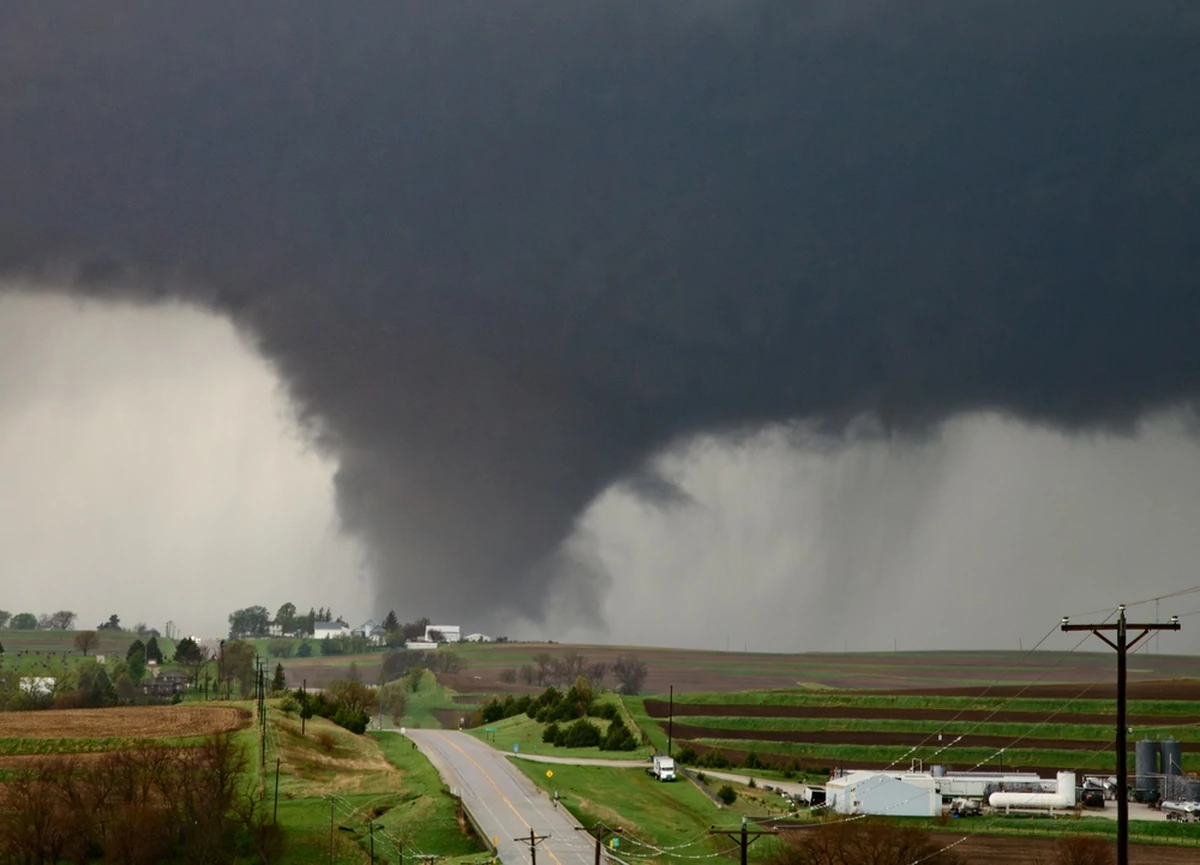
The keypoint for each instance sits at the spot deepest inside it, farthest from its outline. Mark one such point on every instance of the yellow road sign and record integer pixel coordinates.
(549, 774)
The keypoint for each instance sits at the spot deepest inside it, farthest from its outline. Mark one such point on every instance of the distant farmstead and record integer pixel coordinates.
(478, 638)
(321, 630)
(449, 633)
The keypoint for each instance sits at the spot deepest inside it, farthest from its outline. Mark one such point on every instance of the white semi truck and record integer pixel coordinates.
(662, 768)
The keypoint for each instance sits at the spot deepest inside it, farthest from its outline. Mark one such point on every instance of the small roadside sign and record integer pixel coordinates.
(516, 748)
(549, 774)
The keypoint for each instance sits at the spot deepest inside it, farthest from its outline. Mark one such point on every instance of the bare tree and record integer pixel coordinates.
(1082, 850)
(856, 842)
(545, 664)
(508, 676)
(597, 672)
(63, 620)
(87, 641)
(527, 674)
(630, 672)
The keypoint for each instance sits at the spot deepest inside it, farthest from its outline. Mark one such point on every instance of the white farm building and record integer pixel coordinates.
(450, 633)
(863, 792)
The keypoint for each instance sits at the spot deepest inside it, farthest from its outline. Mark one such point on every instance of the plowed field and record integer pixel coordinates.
(145, 722)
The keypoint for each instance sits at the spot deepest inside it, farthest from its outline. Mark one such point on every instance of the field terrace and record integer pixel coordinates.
(1040, 727)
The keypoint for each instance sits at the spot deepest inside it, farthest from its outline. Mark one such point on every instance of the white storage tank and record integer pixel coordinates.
(1061, 800)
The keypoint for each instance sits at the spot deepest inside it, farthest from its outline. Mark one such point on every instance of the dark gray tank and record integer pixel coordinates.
(1145, 768)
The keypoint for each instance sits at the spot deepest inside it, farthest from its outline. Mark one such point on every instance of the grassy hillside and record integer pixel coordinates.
(666, 822)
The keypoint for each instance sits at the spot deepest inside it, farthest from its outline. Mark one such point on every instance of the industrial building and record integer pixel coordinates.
(865, 792)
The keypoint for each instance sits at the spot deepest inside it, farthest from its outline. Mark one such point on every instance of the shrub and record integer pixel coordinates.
(618, 738)
(1080, 850)
(686, 754)
(727, 794)
(854, 842)
(753, 761)
(582, 734)
(550, 733)
(752, 784)
(304, 650)
(289, 705)
(713, 760)
(327, 741)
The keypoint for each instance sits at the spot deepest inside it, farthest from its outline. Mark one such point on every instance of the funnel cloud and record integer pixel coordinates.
(504, 255)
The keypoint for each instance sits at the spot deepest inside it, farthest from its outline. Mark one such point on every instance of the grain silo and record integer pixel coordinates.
(1146, 772)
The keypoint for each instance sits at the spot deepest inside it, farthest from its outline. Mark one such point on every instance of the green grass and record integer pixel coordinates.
(375, 778)
(650, 812)
(420, 704)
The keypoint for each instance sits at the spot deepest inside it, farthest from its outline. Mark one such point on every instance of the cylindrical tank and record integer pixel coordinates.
(1145, 780)
(939, 770)
(1063, 799)
(1172, 757)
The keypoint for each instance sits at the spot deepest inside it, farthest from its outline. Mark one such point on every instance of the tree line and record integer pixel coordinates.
(628, 670)
(138, 806)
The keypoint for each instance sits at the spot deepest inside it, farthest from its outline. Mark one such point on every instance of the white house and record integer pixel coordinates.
(372, 631)
(321, 630)
(864, 792)
(477, 638)
(450, 633)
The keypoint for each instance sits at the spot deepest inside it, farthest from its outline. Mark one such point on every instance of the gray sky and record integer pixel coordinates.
(152, 469)
(501, 256)
(982, 537)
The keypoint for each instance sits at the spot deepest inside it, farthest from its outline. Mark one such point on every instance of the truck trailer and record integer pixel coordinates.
(662, 768)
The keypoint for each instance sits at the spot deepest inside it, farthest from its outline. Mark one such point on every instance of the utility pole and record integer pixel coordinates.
(599, 832)
(277, 762)
(534, 840)
(1122, 645)
(330, 830)
(670, 719)
(745, 838)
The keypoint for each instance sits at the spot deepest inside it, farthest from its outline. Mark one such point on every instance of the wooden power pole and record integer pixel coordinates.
(745, 838)
(599, 831)
(534, 839)
(1122, 645)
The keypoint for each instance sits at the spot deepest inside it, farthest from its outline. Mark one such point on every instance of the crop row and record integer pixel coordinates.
(825, 699)
(1187, 732)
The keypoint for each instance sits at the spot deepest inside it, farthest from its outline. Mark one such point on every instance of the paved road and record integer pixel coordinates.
(503, 801)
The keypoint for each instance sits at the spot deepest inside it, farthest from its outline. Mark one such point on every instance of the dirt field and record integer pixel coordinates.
(1008, 850)
(146, 722)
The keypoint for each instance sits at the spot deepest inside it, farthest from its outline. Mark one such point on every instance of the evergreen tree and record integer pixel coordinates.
(153, 652)
(390, 622)
(136, 646)
(279, 683)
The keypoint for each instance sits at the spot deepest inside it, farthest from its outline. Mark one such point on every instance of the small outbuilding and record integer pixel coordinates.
(865, 792)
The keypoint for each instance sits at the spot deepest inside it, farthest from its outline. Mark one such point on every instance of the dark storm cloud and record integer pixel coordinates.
(503, 252)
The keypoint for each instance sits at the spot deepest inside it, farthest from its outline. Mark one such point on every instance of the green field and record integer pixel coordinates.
(1184, 732)
(1041, 705)
(653, 816)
